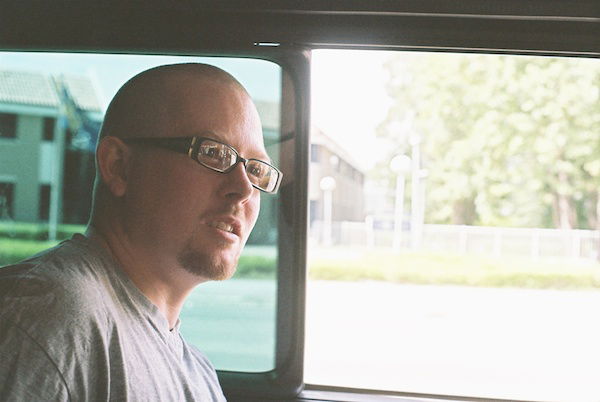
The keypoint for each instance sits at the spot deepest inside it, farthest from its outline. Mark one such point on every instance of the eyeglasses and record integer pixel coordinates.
(219, 157)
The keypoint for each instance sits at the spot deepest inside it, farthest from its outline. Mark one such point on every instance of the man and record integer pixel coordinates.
(96, 318)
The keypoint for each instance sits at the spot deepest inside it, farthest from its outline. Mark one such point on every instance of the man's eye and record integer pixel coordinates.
(209, 152)
(215, 153)
(256, 170)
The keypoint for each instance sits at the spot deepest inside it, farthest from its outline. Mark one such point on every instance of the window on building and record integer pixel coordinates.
(314, 152)
(315, 212)
(49, 123)
(44, 212)
(7, 191)
(8, 125)
(69, 134)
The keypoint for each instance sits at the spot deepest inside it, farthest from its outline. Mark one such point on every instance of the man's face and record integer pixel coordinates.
(187, 215)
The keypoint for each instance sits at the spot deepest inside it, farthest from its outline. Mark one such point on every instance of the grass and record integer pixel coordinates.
(19, 240)
(36, 231)
(378, 265)
(256, 267)
(13, 250)
(16, 249)
(467, 270)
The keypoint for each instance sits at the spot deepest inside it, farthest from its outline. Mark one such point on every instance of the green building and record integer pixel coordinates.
(43, 146)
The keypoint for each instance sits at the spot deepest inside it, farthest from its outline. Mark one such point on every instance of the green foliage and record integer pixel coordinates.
(506, 140)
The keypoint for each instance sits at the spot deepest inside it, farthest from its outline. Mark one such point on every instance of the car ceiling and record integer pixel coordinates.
(182, 27)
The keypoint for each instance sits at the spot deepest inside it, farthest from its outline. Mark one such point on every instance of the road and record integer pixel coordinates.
(502, 343)
(516, 344)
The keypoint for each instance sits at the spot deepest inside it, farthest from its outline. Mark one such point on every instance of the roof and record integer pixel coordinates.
(82, 90)
(27, 88)
(318, 136)
(38, 89)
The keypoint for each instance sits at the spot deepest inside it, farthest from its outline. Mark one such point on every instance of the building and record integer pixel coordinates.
(48, 130)
(329, 160)
(265, 230)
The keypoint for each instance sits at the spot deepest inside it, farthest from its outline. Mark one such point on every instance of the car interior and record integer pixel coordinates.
(270, 47)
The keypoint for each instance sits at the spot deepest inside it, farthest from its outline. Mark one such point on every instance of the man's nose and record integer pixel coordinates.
(237, 184)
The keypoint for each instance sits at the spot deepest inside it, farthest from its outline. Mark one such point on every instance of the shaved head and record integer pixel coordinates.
(148, 103)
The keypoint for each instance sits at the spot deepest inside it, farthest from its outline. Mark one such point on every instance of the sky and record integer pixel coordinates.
(349, 99)
(108, 72)
(348, 87)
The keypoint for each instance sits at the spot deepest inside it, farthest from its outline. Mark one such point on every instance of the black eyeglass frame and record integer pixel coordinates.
(191, 147)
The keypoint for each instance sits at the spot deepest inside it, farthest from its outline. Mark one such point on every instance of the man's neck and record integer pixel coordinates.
(166, 288)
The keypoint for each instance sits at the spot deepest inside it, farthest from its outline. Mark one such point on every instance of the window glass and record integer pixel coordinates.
(44, 202)
(49, 124)
(57, 101)
(8, 125)
(459, 254)
(6, 199)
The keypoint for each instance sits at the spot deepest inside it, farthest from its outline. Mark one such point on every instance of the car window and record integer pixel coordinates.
(51, 109)
(454, 217)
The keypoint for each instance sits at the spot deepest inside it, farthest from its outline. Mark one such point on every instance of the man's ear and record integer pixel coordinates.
(114, 158)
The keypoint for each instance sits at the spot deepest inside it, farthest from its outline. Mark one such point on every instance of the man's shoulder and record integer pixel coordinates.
(54, 320)
(58, 285)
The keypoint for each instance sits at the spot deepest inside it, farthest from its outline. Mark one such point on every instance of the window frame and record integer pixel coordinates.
(285, 380)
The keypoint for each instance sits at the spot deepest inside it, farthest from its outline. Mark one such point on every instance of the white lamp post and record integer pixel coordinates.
(416, 202)
(327, 184)
(400, 164)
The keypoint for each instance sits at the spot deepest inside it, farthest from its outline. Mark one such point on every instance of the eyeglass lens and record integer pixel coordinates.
(221, 157)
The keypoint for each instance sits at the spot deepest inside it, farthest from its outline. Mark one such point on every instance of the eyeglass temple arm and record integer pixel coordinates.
(178, 144)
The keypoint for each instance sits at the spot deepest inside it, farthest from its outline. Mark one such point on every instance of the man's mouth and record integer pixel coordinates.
(222, 225)
(227, 224)
(233, 227)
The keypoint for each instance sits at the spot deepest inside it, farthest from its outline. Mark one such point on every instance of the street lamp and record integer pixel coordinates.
(400, 164)
(327, 184)
(416, 200)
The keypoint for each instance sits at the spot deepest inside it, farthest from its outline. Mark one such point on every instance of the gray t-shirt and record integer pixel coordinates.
(73, 327)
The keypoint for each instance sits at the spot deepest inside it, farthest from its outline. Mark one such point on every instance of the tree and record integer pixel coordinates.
(507, 140)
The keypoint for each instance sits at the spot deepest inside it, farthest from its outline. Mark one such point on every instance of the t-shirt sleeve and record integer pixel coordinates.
(26, 372)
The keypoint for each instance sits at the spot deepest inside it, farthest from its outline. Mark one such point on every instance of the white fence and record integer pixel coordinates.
(495, 241)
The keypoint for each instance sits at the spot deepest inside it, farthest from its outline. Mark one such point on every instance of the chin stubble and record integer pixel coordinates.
(202, 265)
